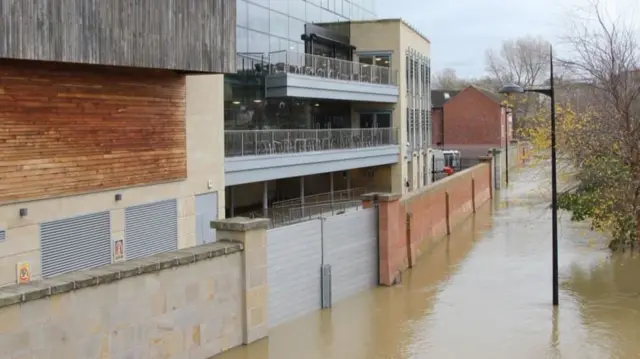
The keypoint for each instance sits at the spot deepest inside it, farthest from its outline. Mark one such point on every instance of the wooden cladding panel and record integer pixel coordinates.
(189, 35)
(73, 129)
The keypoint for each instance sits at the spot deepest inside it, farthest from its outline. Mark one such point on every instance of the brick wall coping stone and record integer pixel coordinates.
(240, 224)
(21, 293)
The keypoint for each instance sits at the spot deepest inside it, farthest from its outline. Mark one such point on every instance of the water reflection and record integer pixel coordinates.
(485, 292)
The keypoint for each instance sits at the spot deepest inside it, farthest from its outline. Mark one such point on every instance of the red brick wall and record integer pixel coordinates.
(472, 118)
(411, 224)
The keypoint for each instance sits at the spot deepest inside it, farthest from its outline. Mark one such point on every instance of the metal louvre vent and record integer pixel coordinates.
(2, 236)
(151, 228)
(75, 243)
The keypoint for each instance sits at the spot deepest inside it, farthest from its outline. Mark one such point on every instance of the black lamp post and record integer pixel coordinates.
(509, 89)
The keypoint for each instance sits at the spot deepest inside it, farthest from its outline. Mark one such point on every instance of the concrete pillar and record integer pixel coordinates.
(302, 191)
(331, 185)
(232, 199)
(265, 200)
(252, 233)
(392, 239)
(490, 161)
(348, 180)
(497, 167)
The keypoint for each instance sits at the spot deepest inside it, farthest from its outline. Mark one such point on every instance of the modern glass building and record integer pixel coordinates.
(265, 26)
(327, 99)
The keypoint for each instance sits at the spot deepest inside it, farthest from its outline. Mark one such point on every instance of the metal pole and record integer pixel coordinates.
(506, 145)
(265, 200)
(554, 186)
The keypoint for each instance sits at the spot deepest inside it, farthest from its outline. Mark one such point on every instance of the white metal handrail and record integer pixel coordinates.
(314, 65)
(265, 142)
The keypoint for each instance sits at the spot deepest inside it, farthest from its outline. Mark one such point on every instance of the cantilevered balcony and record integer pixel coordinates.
(262, 155)
(294, 74)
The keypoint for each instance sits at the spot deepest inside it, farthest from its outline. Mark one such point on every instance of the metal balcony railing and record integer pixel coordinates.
(267, 142)
(327, 67)
(352, 194)
(286, 216)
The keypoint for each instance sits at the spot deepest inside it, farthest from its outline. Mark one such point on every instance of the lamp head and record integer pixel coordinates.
(510, 89)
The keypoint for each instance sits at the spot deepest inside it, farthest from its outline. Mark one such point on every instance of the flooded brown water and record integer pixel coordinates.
(485, 292)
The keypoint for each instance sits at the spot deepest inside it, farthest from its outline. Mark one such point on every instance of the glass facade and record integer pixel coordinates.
(266, 26)
(272, 25)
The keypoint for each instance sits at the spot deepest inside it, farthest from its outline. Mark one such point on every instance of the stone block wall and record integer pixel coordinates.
(190, 303)
(409, 224)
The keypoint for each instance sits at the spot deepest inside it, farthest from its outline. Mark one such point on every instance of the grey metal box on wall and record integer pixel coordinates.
(150, 228)
(76, 243)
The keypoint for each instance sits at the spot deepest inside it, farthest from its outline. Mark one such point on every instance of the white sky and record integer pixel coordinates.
(461, 30)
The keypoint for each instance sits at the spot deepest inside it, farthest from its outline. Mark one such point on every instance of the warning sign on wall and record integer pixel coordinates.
(24, 273)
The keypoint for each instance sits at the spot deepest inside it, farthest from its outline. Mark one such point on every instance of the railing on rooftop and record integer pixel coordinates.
(267, 142)
(327, 67)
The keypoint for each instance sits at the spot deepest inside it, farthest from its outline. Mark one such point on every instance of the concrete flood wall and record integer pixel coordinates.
(409, 224)
(190, 303)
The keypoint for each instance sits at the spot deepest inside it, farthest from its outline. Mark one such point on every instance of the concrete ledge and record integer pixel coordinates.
(240, 224)
(20, 293)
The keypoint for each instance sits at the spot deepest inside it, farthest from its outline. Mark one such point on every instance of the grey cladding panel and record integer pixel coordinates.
(190, 35)
(294, 257)
(151, 228)
(351, 248)
(75, 243)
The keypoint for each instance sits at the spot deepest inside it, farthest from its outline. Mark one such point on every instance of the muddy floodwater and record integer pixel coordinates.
(485, 292)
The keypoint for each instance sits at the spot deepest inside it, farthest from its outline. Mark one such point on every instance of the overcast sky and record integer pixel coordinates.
(461, 30)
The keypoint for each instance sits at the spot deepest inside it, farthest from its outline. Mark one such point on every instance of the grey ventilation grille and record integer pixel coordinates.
(2, 236)
(151, 228)
(76, 243)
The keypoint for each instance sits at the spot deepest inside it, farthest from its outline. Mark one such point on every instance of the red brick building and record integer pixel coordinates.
(471, 121)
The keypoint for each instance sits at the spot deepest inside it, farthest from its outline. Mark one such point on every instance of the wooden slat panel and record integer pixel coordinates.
(68, 129)
(190, 35)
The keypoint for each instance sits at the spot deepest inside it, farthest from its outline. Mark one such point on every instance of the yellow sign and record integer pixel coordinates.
(24, 273)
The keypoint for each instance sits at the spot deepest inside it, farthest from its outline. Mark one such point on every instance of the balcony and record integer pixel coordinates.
(263, 155)
(294, 74)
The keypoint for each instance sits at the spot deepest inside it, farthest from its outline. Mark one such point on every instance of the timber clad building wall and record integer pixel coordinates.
(189, 35)
(69, 129)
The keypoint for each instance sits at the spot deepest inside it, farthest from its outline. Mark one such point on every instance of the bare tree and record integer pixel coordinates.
(606, 59)
(447, 79)
(523, 61)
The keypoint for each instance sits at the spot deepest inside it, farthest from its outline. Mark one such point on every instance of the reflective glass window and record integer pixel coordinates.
(281, 5)
(278, 44)
(258, 42)
(297, 9)
(258, 18)
(241, 12)
(314, 13)
(242, 41)
(279, 25)
(296, 29)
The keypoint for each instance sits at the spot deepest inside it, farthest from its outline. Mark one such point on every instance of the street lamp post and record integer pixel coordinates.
(510, 89)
